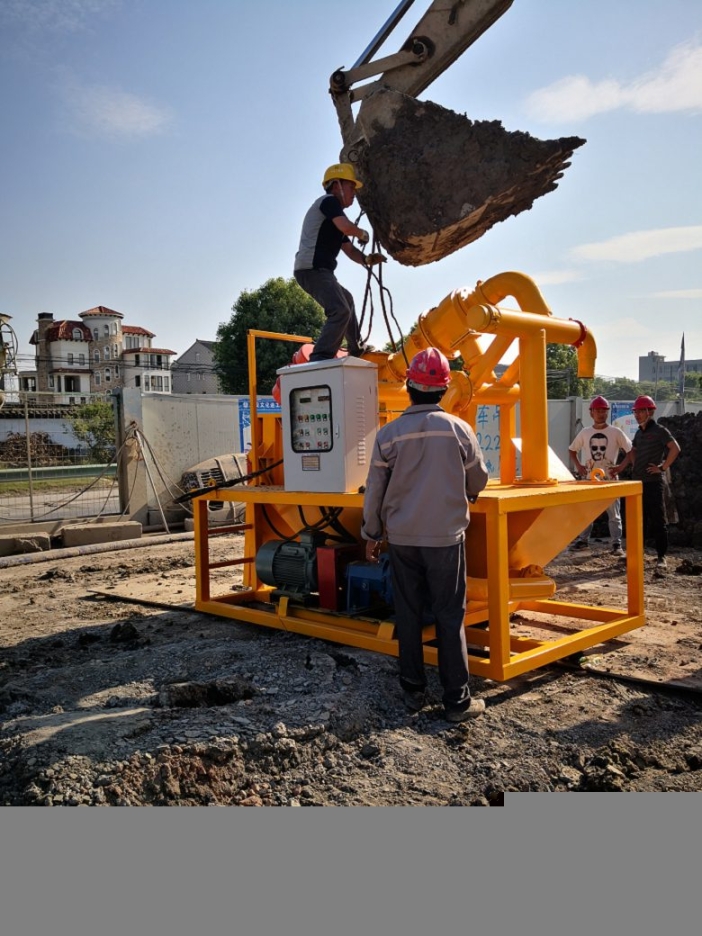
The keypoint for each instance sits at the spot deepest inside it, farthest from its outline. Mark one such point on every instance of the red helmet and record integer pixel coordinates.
(644, 402)
(599, 403)
(429, 371)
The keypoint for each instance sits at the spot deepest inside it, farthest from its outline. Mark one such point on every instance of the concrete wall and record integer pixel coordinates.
(181, 431)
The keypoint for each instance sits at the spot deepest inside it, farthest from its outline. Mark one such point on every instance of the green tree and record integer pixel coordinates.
(620, 388)
(562, 379)
(278, 306)
(94, 424)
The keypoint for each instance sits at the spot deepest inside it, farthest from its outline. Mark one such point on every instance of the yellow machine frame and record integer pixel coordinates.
(517, 525)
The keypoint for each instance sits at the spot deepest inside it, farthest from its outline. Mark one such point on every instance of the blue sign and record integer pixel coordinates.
(263, 405)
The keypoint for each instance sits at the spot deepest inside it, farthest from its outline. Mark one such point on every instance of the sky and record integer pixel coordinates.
(158, 157)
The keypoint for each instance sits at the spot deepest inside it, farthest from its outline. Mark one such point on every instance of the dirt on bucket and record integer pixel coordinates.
(435, 180)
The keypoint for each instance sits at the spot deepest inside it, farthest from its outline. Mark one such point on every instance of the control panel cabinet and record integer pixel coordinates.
(330, 420)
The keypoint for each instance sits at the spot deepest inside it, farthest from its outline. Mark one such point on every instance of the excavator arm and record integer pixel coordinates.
(433, 179)
(445, 31)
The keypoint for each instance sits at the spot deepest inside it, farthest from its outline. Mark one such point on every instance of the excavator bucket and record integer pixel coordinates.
(435, 180)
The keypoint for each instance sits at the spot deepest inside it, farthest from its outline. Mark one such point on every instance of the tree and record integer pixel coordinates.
(278, 306)
(618, 388)
(94, 424)
(562, 379)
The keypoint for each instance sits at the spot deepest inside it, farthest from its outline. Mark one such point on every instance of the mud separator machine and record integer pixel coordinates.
(303, 568)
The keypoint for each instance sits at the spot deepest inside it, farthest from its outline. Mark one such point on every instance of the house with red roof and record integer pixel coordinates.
(96, 355)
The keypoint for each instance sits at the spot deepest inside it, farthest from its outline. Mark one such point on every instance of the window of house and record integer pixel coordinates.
(146, 382)
(98, 379)
(114, 351)
(188, 377)
(106, 330)
(137, 381)
(199, 375)
(197, 356)
(96, 356)
(77, 334)
(71, 399)
(166, 385)
(83, 399)
(58, 384)
(69, 358)
(137, 360)
(51, 381)
(114, 328)
(108, 375)
(116, 370)
(159, 383)
(96, 334)
(106, 353)
(81, 360)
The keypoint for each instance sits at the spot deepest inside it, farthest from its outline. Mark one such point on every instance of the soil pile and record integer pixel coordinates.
(686, 478)
(435, 180)
(105, 702)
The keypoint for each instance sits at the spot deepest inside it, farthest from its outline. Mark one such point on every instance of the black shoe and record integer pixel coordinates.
(414, 699)
(618, 551)
(580, 544)
(476, 707)
(362, 349)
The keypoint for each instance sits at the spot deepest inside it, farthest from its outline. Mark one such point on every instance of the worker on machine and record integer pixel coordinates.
(325, 231)
(426, 467)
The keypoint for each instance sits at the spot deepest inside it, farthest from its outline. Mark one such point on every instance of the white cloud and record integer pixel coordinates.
(641, 245)
(105, 112)
(679, 294)
(56, 15)
(617, 329)
(556, 277)
(675, 86)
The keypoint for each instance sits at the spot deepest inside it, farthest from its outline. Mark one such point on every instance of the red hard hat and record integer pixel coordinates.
(428, 371)
(644, 402)
(599, 403)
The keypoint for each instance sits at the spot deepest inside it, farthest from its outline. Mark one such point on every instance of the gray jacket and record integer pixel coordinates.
(426, 463)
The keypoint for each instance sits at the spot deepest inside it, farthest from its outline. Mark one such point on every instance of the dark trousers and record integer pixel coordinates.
(654, 516)
(339, 309)
(432, 579)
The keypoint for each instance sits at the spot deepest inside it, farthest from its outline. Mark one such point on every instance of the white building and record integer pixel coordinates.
(95, 355)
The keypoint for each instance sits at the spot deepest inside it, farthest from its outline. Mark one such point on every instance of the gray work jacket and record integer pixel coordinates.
(425, 465)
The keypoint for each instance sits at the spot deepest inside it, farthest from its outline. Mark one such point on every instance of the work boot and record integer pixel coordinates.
(363, 348)
(580, 544)
(617, 550)
(661, 564)
(476, 707)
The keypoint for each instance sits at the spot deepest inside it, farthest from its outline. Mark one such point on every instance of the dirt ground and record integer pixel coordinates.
(108, 701)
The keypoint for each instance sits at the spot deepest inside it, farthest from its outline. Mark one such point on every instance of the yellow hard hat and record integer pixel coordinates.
(341, 171)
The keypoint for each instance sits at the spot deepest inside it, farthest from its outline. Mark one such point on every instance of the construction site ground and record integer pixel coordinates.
(114, 691)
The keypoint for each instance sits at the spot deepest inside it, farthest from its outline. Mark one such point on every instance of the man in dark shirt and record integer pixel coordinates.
(325, 231)
(654, 451)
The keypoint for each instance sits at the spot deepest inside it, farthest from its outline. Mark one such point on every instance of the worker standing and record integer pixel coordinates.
(654, 451)
(425, 468)
(325, 231)
(599, 446)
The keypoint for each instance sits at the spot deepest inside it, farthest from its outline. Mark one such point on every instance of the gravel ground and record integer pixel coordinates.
(104, 702)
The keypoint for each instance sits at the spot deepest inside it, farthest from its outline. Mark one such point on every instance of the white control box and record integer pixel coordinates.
(330, 420)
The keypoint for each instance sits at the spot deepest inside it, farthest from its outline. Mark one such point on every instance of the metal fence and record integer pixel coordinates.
(57, 462)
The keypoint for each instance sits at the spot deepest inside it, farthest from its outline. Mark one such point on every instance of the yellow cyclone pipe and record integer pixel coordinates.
(529, 299)
(464, 313)
(446, 325)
